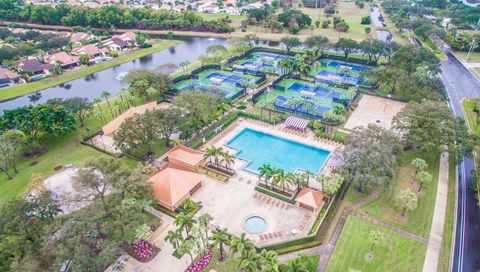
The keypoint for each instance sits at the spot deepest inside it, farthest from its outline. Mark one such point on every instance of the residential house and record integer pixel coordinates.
(63, 59)
(89, 50)
(179, 8)
(127, 36)
(33, 67)
(209, 7)
(115, 44)
(232, 11)
(8, 77)
(79, 37)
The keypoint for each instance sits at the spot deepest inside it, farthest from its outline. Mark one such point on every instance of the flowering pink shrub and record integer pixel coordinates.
(201, 264)
(144, 251)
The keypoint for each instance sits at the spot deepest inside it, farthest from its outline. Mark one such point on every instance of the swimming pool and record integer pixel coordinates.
(255, 224)
(259, 148)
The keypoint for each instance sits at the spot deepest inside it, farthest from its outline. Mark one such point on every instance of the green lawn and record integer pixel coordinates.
(230, 264)
(346, 10)
(31, 87)
(471, 116)
(476, 72)
(444, 263)
(474, 56)
(419, 220)
(399, 253)
(61, 151)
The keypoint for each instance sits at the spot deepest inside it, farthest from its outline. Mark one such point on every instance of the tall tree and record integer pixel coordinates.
(38, 122)
(405, 200)
(429, 125)
(11, 143)
(424, 178)
(168, 122)
(220, 238)
(370, 156)
(346, 45)
(290, 42)
(79, 107)
(139, 131)
(317, 43)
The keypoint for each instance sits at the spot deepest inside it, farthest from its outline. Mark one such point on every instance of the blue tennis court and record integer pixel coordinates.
(318, 90)
(263, 62)
(307, 108)
(226, 78)
(335, 77)
(354, 67)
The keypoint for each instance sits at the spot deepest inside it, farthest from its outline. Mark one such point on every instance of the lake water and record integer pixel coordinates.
(110, 79)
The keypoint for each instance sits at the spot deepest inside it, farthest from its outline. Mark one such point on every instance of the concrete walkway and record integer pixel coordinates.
(436, 232)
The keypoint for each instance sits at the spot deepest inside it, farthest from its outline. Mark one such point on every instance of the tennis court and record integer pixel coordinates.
(339, 72)
(224, 83)
(263, 62)
(306, 98)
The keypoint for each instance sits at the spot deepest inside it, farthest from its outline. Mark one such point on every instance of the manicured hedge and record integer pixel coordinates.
(274, 195)
(286, 250)
(292, 243)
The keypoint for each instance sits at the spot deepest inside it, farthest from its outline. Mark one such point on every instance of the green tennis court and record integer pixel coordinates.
(231, 85)
(266, 62)
(306, 98)
(339, 72)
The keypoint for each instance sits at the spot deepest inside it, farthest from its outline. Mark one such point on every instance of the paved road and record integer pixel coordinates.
(461, 83)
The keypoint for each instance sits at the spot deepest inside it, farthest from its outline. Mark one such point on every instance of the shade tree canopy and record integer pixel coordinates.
(371, 155)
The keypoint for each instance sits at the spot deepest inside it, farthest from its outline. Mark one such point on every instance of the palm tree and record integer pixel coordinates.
(339, 110)
(218, 153)
(240, 245)
(106, 95)
(184, 65)
(250, 262)
(220, 238)
(184, 221)
(174, 238)
(203, 221)
(265, 171)
(295, 265)
(97, 101)
(210, 152)
(227, 159)
(285, 179)
(278, 176)
(269, 260)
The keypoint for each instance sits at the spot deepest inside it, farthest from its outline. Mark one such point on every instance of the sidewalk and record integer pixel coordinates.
(436, 233)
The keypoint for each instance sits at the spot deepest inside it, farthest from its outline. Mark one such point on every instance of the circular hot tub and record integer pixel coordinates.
(255, 224)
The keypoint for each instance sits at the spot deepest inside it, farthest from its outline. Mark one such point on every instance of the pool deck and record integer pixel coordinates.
(232, 203)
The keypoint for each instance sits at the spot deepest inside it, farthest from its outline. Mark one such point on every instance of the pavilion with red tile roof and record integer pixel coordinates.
(309, 199)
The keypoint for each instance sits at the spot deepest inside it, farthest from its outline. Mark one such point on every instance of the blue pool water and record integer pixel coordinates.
(255, 224)
(259, 148)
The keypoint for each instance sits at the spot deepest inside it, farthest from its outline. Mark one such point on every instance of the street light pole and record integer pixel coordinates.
(473, 42)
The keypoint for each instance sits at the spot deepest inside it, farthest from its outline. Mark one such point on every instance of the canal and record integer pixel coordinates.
(110, 79)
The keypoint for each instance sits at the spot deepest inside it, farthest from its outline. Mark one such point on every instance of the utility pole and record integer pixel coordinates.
(473, 42)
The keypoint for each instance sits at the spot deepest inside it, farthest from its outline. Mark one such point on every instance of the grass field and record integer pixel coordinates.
(419, 220)
(399, 253)
(23, 89)
(471, 116)
(231, 264)
(476, 72)
(346, 10)
(444, 263)
(474, 56)
(61, 150)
